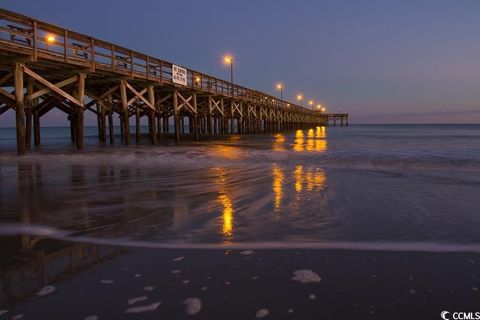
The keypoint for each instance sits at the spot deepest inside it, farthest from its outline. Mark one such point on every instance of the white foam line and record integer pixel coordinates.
(43, 231)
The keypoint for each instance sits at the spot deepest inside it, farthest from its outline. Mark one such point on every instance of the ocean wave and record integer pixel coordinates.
(198, 157)
(52, 233)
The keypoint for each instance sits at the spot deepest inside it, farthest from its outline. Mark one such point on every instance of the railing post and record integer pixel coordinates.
(35, 45)
(131, 63)
(65, 45)
(92, 55)
(112, 56)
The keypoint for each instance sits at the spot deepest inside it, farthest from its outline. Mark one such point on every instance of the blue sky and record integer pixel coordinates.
(383, 61)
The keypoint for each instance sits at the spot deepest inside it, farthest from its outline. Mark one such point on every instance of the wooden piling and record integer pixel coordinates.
(102, 133)
(20, 109)
(28, 114)
(125, 116)
(176, 116)
(152, 115)
(111, 129)
(36, 128)
(79, 116)
(137, 124)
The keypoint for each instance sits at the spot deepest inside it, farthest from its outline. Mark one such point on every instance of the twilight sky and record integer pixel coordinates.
(383, 61)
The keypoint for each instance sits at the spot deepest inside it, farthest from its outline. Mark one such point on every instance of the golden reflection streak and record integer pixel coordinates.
(310, 145)
(277, 187)
(316, 140)
(319, 179)
(298, 176)
(309, 178)
(321, 133)
(320, 145)
(226, 203)
(314, 179)
(278, 144)
(298, 145)
(227, 152)
(227, 215)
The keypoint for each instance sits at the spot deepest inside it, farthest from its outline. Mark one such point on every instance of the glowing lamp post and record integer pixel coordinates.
(229, 61)
(280, 88)
(300, 99)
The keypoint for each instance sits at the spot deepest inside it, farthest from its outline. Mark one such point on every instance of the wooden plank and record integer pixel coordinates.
(4, 109)
(7, 94)
(51, 86)
(109, 92)
(104, 103)
(136, 97)
(140, 96)
(5, 78)
(60, 84)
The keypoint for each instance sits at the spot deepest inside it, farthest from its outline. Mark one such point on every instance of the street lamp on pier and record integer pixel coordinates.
(300, 99)
(228, 59)
(280, 87)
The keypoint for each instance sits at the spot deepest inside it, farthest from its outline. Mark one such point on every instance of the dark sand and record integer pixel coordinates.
(354, 285)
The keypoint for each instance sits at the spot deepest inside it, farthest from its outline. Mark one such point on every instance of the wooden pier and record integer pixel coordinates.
(43, 66)
(334, 117)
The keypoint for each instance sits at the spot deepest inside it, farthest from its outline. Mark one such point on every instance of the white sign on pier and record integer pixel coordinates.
(179, 75)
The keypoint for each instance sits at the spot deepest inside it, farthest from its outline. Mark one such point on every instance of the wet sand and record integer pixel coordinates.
(235, 284)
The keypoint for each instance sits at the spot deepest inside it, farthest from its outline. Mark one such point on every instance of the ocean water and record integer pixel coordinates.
(358, 222)
(390, 187)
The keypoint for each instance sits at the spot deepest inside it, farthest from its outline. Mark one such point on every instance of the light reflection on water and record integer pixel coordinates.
(277, 187)
(279, 142)
(239, 189)
(315, 141)
(225, 203)
(298, 190)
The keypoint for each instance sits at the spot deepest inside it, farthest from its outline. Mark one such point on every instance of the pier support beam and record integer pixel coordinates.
(196, 132)
(80, 110)
(36, 127)
(102, 130)
(184, 104)
(19, 109)
(152, 125)
(111, 129)
(176, 116)
(28, 113)
(137, 124)
(124, 115)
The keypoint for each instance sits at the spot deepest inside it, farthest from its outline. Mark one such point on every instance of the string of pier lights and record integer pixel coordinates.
(228, 60)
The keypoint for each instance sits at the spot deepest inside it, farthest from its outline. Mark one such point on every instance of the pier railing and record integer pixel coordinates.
(45, 41)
